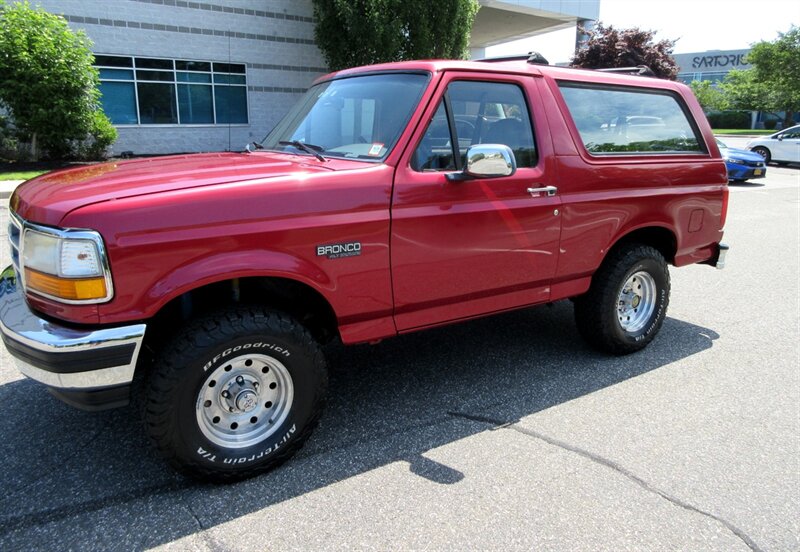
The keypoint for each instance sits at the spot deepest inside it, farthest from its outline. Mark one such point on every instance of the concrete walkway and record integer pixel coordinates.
(7, 187)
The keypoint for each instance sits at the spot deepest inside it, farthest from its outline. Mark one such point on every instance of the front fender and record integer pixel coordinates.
(205, 270)
(360, 299)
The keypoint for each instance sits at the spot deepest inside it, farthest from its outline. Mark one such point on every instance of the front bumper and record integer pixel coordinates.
(90, 369)
(745, 172)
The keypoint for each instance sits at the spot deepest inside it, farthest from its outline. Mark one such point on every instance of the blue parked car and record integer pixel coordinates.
(742, 164)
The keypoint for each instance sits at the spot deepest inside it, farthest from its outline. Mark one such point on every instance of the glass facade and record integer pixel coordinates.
(153, 91)
(713, 77)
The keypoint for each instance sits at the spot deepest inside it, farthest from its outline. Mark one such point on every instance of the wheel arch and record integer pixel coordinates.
(296, 298)
(660, 237)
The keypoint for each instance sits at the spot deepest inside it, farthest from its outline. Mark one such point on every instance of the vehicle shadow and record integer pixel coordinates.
(745, 184)
(388, 403)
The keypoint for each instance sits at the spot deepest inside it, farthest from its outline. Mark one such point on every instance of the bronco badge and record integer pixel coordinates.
(339, 250)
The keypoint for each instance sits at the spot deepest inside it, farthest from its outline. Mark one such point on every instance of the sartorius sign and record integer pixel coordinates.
(714, 61)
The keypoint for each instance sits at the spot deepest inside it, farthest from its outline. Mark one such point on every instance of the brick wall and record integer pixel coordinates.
(274, 38)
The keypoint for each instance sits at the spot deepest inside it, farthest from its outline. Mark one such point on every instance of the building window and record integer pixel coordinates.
(713, 77)
(153, 91)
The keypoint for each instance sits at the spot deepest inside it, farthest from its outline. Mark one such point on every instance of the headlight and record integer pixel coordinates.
(735, 161)
(65, 265)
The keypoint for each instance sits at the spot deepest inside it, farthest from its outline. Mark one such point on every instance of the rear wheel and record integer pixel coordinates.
(763, 152)
(234, 394)
(627, 301)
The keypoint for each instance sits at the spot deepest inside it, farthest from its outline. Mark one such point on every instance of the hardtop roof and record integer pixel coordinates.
(517, 67)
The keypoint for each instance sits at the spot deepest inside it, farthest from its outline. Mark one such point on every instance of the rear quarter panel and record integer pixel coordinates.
(605, 198)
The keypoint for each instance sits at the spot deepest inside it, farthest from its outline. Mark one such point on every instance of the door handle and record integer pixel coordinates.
(549, 190)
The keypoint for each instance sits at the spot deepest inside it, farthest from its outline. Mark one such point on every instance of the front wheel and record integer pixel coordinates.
(627, 301)
(234, 394)
(763, 152)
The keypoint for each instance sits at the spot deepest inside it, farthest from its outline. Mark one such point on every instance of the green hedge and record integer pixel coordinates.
(729, 119)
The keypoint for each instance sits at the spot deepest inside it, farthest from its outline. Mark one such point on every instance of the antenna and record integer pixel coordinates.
(227, 107)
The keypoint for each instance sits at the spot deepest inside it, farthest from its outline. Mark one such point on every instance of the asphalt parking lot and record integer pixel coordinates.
(504, 433)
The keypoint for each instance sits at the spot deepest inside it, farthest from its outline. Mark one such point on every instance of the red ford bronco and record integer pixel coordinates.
(390, 199)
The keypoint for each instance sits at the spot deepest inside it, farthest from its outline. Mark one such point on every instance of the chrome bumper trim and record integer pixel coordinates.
(47, 339)
(723, 252)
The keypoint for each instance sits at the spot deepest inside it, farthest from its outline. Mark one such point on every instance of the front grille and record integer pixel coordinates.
(15, 239)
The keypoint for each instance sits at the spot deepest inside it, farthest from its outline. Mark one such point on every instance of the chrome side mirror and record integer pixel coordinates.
(487, 161)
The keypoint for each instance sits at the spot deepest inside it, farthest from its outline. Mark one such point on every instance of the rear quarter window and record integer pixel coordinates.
(630, 121)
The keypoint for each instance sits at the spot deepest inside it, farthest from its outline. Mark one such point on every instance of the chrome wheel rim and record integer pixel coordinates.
(244, 401)
(636, 302)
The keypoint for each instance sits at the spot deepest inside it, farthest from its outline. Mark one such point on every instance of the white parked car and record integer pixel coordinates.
(781, 147)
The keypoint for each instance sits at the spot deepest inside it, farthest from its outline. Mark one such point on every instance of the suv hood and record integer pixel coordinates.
(48, 198)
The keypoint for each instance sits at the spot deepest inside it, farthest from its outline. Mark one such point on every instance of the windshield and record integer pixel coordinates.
(353, 118)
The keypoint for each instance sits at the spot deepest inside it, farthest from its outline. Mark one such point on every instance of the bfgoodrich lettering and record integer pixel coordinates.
(246, 347)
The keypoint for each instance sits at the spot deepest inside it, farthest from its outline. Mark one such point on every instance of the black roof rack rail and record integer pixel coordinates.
(640, 70)
(534, 58)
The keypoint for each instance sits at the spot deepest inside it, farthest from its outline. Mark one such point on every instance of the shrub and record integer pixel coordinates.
(8, 143)
(101, 135)
(729, 119)
(48, 87)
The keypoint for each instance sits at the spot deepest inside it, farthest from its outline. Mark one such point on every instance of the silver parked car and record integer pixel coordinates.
(781, 147)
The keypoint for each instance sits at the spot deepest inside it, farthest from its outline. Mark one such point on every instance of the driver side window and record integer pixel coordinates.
(483, 113)
(435, 152)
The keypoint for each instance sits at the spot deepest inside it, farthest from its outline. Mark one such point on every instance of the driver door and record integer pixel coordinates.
(465, 248)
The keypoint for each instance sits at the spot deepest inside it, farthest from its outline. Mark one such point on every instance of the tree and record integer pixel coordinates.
(48, 85)
(743, 90)
(710, 97)
(773, 84)
(609, 47)
(362, 32)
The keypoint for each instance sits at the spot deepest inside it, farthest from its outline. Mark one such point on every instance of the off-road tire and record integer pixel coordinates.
(183, 370)
(598, 312)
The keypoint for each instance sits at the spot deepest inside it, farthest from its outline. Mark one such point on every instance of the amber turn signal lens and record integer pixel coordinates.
(63, 288)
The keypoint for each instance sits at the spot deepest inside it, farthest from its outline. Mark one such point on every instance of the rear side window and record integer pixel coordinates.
(630, 121)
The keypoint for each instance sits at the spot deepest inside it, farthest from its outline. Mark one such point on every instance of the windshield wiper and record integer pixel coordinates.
(308, 148)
